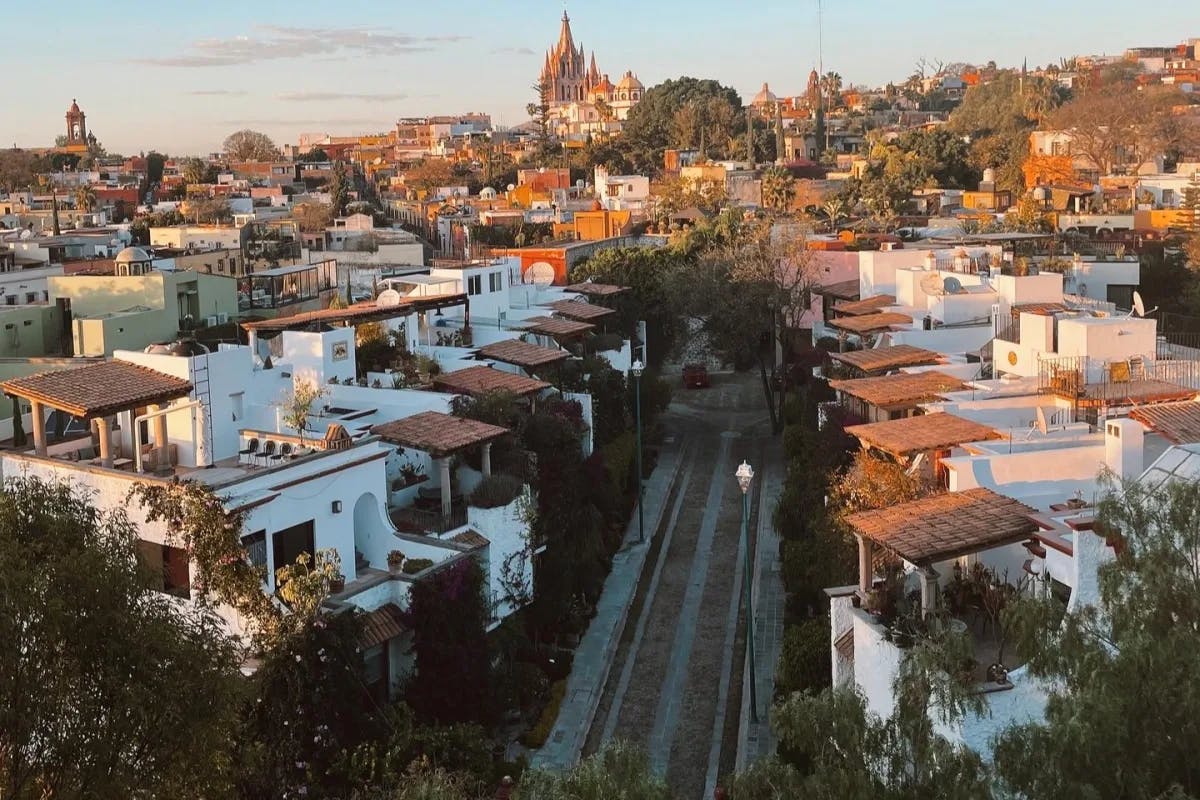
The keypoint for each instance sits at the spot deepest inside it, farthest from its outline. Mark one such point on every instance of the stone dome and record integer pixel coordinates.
(630, 81)
(764, 96)
(132, 255)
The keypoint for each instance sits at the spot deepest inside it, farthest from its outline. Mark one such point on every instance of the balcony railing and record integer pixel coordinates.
(422, 521)
(1081, 377)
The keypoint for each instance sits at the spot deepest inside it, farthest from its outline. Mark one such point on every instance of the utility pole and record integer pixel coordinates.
(750, 136)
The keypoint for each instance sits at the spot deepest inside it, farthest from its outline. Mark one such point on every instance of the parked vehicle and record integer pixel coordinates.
(695, 376)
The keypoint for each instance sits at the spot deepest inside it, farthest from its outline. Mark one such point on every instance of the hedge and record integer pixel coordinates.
(414, 565)
(619, 457)
(537, 735)
(496, 490)
(804, 660)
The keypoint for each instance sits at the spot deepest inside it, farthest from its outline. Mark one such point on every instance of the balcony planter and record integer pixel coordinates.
(997, 673)
(395, 562)
(337, 584)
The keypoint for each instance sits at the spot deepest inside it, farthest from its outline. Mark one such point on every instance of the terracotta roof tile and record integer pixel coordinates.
(471, 538)
(380, 625)
(549, 326)
(522, 354)
(877, 359)
(362, 312)
(580, 311)
(1178, 422)
(481, 380)
(596, 289)
(945, 526)
(921, 433)
(438, 434)
(99, 390)
(904, 387)
(843, 290)
(871, 323)
(867, 305)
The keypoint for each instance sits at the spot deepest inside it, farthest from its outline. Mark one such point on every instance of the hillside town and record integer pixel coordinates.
(833, 441)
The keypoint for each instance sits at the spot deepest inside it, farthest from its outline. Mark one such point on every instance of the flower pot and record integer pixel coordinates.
(337, 585)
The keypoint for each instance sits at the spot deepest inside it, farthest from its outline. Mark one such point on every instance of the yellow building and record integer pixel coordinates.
(140, 306)
(601, 224)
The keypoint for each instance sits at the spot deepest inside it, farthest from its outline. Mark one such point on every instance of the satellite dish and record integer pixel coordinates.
(540, 274)
(952, 285)
(1041, 421)
(932, 284)
(1139, 305)
(388, 298)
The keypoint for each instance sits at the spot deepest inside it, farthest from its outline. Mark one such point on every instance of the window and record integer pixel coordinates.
(474, 285)
(167, 566)
(256, 548)
(289, 543)
(10, 299)
(495, 282)
(237, 399)
(31, 297)
(375, 671)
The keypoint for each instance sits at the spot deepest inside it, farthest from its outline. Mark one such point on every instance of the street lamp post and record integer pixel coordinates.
(745, 474)
(637, 368)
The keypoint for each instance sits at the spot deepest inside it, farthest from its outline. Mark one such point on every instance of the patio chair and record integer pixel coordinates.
(250, 452)
(268, 452)
(285, 451)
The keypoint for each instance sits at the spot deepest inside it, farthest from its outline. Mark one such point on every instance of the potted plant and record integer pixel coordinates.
(395, 560)
(299, 406)
(412, 473)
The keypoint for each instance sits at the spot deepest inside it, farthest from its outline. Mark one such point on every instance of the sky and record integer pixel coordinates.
(179, 76)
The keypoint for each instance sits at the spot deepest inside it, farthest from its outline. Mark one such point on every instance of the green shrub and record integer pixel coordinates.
(414, 565)
(603, 342)
(539, 733)
(620, 458)
(496, 490)
(804, 658)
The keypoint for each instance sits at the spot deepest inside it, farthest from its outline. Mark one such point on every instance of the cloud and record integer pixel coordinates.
(512, 51)
(275, 42)
(217, 92)
(328, 97)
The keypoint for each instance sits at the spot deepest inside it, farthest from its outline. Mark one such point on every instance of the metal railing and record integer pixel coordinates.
(417, 520)
(1079, 377)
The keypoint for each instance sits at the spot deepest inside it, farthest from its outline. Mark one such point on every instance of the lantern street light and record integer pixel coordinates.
(744, 475)
(637, 368)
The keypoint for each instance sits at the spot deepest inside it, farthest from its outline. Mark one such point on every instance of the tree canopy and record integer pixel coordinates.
(679, 113)
(249, 145)
(113, 691)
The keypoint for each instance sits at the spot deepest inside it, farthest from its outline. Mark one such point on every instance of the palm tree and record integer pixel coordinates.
(831, 87)
(46, 182)
(778, 189)
(834, 209)
(605, 112)
(85, 198)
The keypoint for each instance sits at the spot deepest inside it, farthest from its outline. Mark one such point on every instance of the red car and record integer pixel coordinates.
(695, 376)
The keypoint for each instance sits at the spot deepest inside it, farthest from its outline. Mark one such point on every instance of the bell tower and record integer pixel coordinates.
(76, 128)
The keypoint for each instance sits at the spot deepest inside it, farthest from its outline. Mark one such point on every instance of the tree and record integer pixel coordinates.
(831, 88)
(154, 167)
(448, 615)
(208, 209)
(1119, 125)
(778, 189)
(313, 156)
(299, 406)
(618, 770)
(1106, 735)
(429, 174)
(248, 145)
(85, 197)
(539, 113)
(19, 169)
(196, 171)
(993, 115)
(313, 217)
(650, 127)
(112, 691)
(339, 189)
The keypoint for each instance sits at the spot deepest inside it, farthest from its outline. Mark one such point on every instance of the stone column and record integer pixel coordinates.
(160, 437)
(486, 459)
(929, 591)
(39, 427)
(104, 426)
(866, 566)
(443, 464)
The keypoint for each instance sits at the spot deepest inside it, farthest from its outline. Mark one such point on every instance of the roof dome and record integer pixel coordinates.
(487, 193)
(629, 81)
(764, 96)
(74, 109)
(132, 255)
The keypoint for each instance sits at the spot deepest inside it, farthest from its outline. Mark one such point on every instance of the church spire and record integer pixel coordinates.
(566, 42)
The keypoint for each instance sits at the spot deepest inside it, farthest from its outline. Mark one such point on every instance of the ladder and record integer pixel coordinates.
(201, 391)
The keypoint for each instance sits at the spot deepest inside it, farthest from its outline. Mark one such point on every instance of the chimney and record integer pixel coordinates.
(1123, 439)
